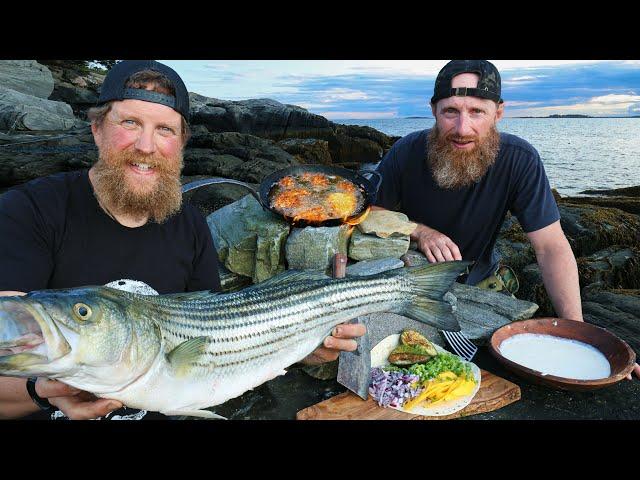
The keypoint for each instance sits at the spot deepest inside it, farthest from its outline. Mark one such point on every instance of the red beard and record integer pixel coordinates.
(452, 168)
(158, 198)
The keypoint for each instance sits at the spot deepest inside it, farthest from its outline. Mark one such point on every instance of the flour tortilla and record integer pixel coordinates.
(379, 356)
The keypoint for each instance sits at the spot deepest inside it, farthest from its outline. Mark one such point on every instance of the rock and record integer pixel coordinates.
(367, 133)
(249, 240)
(589, 228)
(354, 145)
(370, 247)
(613, 267)
(616, 310)
(413, 258)
(26, 76)
(261, 117)
(234, 155)
(386, 223)
(532, 289)
(481, 312)
(230, 281)
(313, 248)
(307, 150)
(616, 192)
(80, 97)
(348, 145)
(626, 204)
(19, 111)
(44, 155)
(514, 246)
(371, 267)
(75, 84)
(348, 152)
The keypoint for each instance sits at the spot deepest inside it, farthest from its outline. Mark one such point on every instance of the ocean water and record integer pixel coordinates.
(578, 153)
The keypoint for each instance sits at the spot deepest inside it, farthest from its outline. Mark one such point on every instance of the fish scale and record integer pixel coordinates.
(263, 325)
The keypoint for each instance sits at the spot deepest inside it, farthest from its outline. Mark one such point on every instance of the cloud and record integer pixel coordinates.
(523, 79)
(521, 104)
(634, 109)
(341, 94)
(614, 99)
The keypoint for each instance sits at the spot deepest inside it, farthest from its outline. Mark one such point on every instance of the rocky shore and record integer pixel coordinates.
(43, 130)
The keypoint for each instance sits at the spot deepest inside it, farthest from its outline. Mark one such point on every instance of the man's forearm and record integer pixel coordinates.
(560, 276)
(14, 399)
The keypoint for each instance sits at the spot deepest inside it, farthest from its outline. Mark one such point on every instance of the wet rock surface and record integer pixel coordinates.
(370, 247)
(313, 248)
(248, 239)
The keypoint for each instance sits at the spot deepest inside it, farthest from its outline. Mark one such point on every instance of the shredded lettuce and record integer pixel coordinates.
(442, 362)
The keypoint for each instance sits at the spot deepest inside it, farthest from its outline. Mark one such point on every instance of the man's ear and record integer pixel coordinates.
(96, 131)
(500, 111)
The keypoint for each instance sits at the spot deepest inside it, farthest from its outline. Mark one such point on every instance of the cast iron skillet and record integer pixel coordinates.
(368, 189)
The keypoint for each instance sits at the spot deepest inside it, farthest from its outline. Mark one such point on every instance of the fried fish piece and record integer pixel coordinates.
(409, 354)
(411, 337)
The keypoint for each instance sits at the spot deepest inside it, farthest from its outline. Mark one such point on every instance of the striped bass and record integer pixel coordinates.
(178, 354)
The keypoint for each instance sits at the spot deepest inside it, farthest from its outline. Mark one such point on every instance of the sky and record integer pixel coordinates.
(372, 89)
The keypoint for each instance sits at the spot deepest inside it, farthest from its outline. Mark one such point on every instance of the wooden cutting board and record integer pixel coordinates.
(494, 393)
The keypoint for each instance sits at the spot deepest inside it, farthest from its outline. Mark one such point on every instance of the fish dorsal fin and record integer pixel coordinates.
(290, 276)
(187, 353)
(185, 296)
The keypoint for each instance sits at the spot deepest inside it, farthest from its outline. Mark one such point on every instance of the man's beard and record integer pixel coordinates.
(453, 168)
(158, 199)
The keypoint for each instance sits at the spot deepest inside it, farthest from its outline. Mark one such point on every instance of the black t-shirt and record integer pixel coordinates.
(53, 234)
(470, 216)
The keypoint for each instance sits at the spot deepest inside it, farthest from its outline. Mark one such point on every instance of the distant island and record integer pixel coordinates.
(555, 115)
(578, 116)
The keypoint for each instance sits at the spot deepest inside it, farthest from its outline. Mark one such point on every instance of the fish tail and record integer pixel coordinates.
(430, 283)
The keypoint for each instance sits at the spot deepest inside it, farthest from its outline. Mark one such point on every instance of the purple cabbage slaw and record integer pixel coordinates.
(392, 389)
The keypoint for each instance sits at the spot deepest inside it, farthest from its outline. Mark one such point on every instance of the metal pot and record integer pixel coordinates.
(368, 189)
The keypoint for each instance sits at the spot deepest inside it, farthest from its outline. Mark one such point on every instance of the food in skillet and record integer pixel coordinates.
(316, 197)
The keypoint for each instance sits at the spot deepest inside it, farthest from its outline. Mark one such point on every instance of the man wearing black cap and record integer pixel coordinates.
(122, 219)
(459, 179)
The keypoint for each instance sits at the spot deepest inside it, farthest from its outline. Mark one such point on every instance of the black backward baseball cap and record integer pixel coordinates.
(489, 85)
(113, 87)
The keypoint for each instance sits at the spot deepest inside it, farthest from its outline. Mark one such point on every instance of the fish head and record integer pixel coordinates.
(86, 336)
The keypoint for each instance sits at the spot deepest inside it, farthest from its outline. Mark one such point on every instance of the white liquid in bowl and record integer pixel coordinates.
(557, 356)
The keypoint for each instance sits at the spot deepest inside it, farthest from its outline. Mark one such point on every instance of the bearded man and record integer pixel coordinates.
(122, 219)
(459, 179)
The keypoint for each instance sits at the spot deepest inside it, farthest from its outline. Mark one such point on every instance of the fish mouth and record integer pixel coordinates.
(28, 337)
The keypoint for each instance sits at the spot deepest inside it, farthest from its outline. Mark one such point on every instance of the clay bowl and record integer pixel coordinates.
(617, 352)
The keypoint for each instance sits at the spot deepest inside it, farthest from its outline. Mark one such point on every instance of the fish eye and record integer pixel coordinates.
(82, 311)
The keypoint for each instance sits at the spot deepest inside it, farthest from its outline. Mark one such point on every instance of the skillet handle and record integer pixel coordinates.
(379, 181)
(208, 181)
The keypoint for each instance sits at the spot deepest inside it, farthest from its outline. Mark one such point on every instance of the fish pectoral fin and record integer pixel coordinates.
(195, 413)
(187, 353)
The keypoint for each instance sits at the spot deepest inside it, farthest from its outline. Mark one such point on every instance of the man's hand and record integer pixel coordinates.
(435, 245)
(74, 403)
(341, 339)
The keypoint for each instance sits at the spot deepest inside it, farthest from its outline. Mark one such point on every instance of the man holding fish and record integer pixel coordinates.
(124, 218)
(458, 179)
